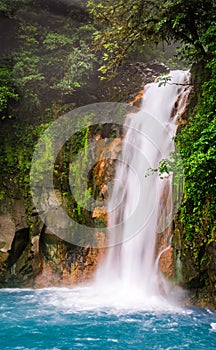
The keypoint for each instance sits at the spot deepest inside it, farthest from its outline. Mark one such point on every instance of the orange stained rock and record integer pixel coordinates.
(100, 212)
(61, 274)
(137, 99)
(166, 263)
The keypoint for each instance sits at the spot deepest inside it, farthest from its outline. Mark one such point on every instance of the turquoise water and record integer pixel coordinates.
(63, 319)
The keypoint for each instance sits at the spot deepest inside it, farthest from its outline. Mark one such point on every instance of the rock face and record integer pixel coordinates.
(15, 250)
(195, 273)
(31, 255)
(194, 257)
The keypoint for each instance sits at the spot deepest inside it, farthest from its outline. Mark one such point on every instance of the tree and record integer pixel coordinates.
(124, 26)
(52, 56)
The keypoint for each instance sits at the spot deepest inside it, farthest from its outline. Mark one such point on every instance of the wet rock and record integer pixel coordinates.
(7, 232)
(129, 80)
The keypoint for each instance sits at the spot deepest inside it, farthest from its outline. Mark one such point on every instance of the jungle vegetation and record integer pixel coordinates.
(46, 57)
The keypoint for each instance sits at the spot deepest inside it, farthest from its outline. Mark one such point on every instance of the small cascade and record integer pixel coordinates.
(131, 269)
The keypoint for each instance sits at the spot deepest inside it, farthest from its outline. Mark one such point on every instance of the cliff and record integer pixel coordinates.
(194, 226)
(30, 254)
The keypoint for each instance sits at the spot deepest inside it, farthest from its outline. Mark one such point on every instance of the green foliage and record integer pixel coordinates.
(52, 56)
(9, 7)
(7, 91)
(50, 63)
(196, 144)
(16, 151)
(123, 26)
(77, 171)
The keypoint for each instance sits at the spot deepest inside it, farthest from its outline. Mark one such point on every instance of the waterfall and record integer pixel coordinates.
(136, 215)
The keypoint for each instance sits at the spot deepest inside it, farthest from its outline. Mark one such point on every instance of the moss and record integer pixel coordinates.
(196, 218)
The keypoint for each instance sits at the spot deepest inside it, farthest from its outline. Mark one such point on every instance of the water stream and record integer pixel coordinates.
(129, 305)
(135, 211)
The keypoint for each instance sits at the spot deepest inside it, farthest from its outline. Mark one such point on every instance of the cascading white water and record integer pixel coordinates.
(129, 279)
(134, 208)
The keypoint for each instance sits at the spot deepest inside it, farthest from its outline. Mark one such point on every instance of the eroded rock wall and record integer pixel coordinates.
(31, 255)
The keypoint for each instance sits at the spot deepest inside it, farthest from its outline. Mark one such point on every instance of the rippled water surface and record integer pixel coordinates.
(64, 318)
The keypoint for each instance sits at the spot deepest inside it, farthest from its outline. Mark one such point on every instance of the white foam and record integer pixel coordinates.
(213, 326)
(112, 300)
